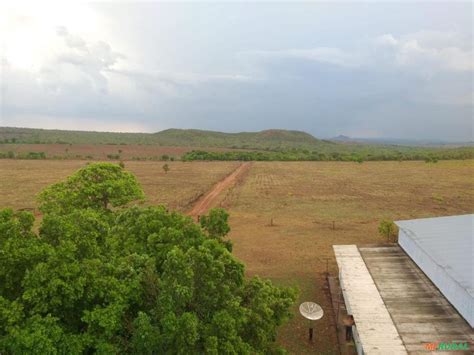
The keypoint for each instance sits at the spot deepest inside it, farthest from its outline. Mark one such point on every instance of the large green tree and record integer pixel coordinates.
(97, 186)
(96, 279)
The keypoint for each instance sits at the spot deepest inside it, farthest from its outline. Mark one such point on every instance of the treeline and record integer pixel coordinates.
(405, 153)
(429, 155)
(27, 155)
(42, 155)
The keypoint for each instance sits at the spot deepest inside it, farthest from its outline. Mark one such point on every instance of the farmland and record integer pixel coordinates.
(304, 199)
(285, 216)
(22, 180)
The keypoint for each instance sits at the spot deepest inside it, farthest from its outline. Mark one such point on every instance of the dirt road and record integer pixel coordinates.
(207, 201)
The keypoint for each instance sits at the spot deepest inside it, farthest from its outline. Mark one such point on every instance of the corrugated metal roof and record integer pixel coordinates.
(449, 242)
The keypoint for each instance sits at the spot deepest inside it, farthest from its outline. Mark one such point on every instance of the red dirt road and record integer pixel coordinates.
(207, 201)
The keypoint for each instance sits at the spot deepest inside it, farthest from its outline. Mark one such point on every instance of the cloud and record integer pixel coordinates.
(83, 78)
(432, 50)
(326, 69)
(76, 123)
(79, 62)
(328, 55)
(426, 50)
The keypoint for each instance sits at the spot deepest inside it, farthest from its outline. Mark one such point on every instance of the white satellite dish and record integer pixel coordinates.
(311, 310)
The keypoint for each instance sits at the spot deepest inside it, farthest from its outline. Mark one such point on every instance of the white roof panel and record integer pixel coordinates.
(449, 242)
(377, 332)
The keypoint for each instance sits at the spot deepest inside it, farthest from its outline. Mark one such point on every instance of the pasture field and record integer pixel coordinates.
(22, 180)
(304, 199)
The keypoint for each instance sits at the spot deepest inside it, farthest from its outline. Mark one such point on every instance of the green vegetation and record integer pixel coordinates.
(269, 145)
(97, 186)
(269, 139)
(99, 277)
(369, 153)
(388, 229)
(113, 156)
(29, 155)
(216, 225)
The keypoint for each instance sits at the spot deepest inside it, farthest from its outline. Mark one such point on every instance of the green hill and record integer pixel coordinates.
(268, 139)
(273, 144)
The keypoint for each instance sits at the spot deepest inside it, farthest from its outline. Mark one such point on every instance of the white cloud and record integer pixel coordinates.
(78, 74)
(426, 50)
(430, 50)
(76, 123)
(328, 55)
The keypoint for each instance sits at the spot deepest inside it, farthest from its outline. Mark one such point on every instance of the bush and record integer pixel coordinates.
(33, 155)
(388, 229)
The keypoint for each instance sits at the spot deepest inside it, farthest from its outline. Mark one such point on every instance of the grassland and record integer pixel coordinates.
(304, 199)
(22, 180)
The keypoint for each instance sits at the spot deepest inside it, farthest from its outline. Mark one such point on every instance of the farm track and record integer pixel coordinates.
(207, 201)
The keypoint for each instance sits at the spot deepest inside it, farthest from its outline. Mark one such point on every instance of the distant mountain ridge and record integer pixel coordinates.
(401, 141)
(276, 144)
(267, 139)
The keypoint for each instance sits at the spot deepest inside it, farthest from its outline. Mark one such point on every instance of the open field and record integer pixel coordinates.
(304, 199)
(208, 200)
(22, 180)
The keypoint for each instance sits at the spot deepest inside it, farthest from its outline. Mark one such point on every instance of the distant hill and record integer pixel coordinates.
(402, 141)
(341, 138)
(275, 144)
(268, 139)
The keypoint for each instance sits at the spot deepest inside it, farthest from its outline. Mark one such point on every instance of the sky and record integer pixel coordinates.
(361, 69)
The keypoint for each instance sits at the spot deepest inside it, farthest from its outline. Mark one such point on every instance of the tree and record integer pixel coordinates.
(166, 168)
(131, 280)
(216, 225)
(97, 186)
(388, 229)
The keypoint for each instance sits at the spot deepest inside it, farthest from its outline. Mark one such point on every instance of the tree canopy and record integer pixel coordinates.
(139, 280)
(97, 186)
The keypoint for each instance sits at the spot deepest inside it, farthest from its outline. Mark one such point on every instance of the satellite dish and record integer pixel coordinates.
(311, 310)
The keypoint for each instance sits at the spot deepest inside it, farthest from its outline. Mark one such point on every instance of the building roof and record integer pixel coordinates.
(375, 328)
(449, 242)
(420, 312)
(396, 307)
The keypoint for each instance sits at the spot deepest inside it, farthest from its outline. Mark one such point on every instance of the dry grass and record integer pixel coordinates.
(22, 180)
(305, 198)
